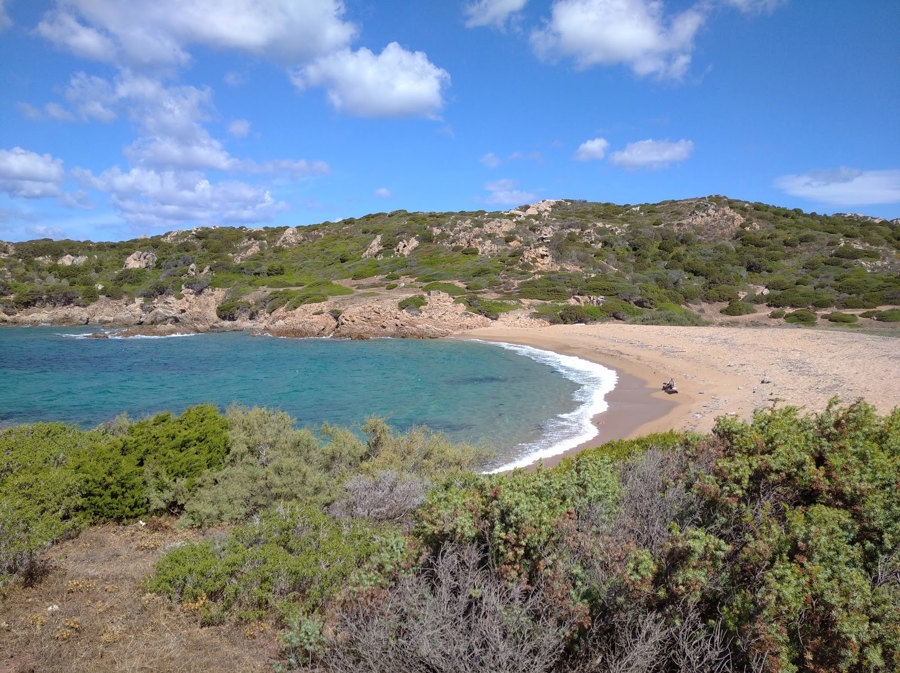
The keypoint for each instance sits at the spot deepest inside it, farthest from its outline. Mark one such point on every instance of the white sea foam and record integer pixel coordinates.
(568, 430)
(115, 334)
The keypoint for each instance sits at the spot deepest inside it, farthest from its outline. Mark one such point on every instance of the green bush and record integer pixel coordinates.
(175, 451)
(415, 302)
(889, 315)
(290, 561)
(716, 293)
(838, 317)
(777, 313)
(801, 316)
(40, 494)
(543, 288)
(234, 309)
(576, 313)
(452, 289)
(489, 308)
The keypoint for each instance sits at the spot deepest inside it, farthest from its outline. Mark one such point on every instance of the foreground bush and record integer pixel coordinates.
(290, 561)
(767, 546)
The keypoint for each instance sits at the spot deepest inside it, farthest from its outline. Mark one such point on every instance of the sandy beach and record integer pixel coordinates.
(718, 370)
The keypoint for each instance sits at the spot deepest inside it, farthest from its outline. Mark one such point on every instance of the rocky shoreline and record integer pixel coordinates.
(359, 316)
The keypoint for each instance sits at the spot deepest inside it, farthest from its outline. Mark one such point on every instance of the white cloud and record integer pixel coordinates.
(50, 111)
(157, 32)
(383, 193)
(755, 6)
(239, 128)
(652, 154)
(5, 21)
(631, 32)
(505, 193)
(30, 175)
(844, 186)
(300, 168)
(161, 199)
(201, 151)
(64, 30)
(591, 150)
(92, 97)
(491, 160)
(395, 83)
(491, 12)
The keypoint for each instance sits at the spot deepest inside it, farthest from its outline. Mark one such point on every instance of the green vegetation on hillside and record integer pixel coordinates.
(772, 545)
(649, 261)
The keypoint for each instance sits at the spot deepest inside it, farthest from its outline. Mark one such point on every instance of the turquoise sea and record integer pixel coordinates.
(519, 402)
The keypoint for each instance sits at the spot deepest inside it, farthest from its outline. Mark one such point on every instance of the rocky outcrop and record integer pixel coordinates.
(711, 222)
(71, 260)
(142, 259)
(289, 238)
(346, 316)
(371, 318)
(404, 248)
(191, 313)
(373, 251)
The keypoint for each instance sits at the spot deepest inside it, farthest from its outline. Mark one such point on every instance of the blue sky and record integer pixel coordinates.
(120, 118)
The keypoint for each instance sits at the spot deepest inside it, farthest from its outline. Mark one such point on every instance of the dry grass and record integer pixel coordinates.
(91, 615)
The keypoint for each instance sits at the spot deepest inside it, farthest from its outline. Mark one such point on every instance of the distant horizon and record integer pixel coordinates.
(130, 119)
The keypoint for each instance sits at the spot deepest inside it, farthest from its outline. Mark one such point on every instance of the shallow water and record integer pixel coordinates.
(514, 400)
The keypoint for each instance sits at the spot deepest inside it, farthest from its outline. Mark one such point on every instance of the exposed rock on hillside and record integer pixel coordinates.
(70, 260)
(142, 259)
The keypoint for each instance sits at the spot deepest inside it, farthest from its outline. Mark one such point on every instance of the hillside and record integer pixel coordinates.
(675, 262)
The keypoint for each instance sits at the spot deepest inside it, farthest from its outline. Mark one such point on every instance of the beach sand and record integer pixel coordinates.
(718, 371)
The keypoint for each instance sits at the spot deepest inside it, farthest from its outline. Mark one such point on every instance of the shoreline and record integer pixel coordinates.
(718, 370)
(636, 406)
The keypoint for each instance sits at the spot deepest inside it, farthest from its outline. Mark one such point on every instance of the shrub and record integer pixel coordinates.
(543, 288)
(40, 498)
(176, 451)
(889, 315)
(573, 313)
(838, 317)
(777, 313)
(289, 562)
(801, 316)
(716, 293)
(234, 309)
(452, 289)
(487, 307)
(737, 307)
(667, 315)
(415, 302)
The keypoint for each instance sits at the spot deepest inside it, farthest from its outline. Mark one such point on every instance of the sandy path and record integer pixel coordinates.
(719, 370)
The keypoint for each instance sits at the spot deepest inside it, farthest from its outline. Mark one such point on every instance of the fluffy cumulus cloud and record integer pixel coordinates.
(394, 83)
(491, 12)
(158, 32)
(162, 199)
(652, 154)
(844, 186)
(635, 33)
(30, 175)
(591, 150)
(506, 193)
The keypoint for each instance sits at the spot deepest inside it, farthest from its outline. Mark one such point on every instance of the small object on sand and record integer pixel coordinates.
(669, 387)
(766, 379)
